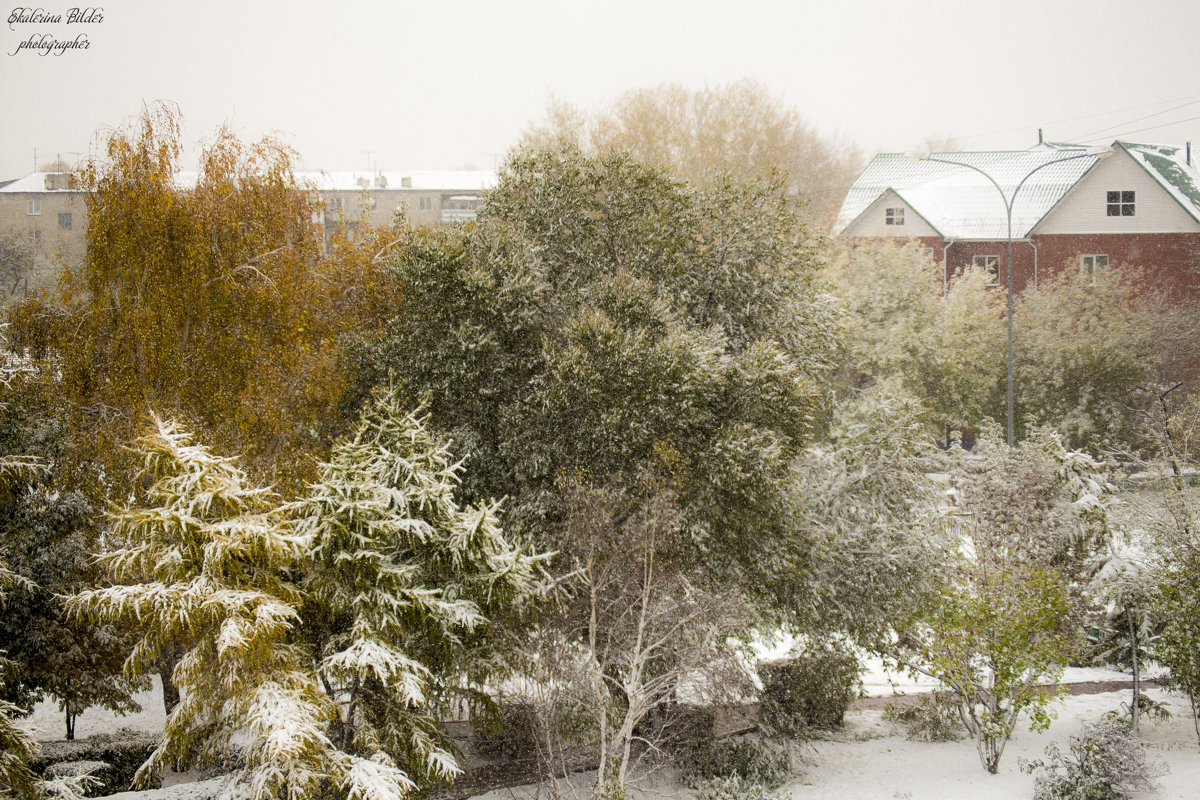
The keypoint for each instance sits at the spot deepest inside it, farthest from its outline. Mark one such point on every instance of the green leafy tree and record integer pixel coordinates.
(875, 517)
(17, 747)
(1005, 621)
(602, 311)
(945, 344)
(1082, 350)
(48, 536)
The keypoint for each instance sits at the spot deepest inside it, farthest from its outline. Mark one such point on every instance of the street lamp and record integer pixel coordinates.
(1100, 151)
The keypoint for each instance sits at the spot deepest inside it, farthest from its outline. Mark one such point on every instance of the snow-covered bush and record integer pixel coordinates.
(811, 690)
(1104, 762)
(933, 718)
(747, 760)
(732, 787)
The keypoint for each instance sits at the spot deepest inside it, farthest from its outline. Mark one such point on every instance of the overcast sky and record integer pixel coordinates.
(451, 83)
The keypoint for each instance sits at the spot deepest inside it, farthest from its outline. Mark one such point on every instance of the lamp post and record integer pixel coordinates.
(1009, 201)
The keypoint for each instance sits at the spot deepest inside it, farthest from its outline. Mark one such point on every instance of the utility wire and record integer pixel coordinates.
(1193, 97)
(1102, 131)
(1155, 127)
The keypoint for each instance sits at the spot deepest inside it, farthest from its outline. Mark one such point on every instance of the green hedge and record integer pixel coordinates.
(812, 690)
(122, 755)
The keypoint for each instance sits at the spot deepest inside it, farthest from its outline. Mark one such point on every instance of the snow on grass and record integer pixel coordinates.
(48, 723)
(872, 759)
(868, 759)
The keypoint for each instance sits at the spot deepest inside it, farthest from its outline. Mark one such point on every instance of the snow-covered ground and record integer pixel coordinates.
(47, 723)
(870, 758)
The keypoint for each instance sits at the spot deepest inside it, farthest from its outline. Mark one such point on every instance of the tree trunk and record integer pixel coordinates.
(1135, 712)
(1195, 718)
(71, 717)
(166, 668)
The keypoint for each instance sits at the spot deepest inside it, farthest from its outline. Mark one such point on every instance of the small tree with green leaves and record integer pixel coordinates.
(1004, 622)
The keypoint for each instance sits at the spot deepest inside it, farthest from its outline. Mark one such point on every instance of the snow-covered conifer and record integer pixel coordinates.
(201, 570)
(403, 581)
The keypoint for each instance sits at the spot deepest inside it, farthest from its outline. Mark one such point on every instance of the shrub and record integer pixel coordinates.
(810, 691)
(733, 787)
(508, 731)
(121, 754)
(1104, 762)
(933, 718)
(751, 759)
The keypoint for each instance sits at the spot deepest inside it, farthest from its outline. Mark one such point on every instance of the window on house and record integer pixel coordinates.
(427, 204)
(337, 204)
(33, 207)
(990, 266)
(1120, 204)
(1090, 264)
(893, 216)
(64, 220)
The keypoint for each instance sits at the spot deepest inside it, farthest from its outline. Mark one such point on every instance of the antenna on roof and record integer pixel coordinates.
(1040, 140)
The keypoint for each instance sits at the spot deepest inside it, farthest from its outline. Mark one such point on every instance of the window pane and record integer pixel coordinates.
(1114, 211)
(1102, 261)
(1114, 197)
(1127, 210)
(1126, 197)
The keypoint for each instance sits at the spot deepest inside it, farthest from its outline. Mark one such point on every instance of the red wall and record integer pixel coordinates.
(1172, 258)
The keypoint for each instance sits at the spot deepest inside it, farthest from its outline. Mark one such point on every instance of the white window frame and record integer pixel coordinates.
(990, 266)
(426, 204)
(1091, 263)
(893, 216)
(1122, 203)
(33, 207)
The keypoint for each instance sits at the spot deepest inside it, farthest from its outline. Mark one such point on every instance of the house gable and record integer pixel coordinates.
(890, 216)
(1085, 209)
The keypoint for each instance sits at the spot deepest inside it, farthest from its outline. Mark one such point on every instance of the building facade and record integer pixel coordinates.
(48, 209)
(1135, 206)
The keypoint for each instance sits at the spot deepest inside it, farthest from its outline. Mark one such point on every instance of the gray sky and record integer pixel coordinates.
(451, 83)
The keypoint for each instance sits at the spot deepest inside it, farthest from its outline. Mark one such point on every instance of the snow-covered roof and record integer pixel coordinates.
(36, 182)
(326, 181)
(956, 198)
(1168, 164)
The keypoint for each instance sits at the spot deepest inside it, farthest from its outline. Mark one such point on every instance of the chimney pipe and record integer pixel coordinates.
(1189, 154)
(1040, 141)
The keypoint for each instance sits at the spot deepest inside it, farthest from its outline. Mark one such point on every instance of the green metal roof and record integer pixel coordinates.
(1169, 165)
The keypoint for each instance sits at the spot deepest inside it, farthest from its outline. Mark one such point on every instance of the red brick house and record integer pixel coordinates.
(1138, 206)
